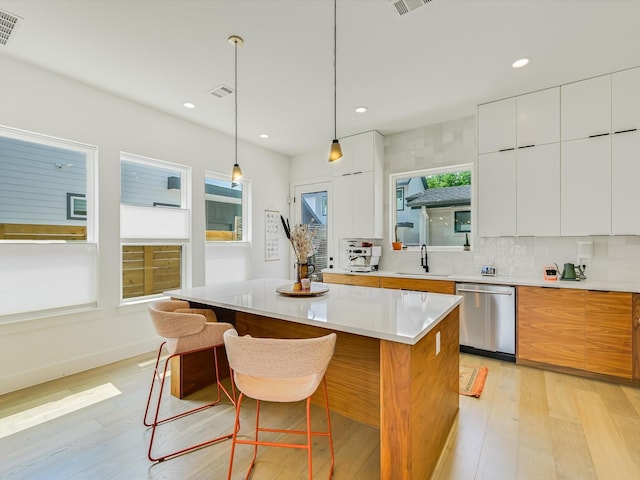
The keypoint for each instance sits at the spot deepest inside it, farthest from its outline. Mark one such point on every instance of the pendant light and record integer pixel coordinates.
(336, 149)
(236, 173)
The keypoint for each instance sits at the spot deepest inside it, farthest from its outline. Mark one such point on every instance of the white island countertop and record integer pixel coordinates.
(396, 315)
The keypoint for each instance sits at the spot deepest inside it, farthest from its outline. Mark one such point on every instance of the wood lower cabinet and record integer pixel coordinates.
(608, 331)
(419, 284)
(636, 336)
(581, 329)
(551, 326)
(347, 279)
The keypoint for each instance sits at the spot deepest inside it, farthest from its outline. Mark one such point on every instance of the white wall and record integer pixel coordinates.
(32, 99)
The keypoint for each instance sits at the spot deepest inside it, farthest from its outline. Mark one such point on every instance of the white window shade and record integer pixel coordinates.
(154, 222)
(36, 276)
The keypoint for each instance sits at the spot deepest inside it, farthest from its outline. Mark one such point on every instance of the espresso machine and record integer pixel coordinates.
(363, 259)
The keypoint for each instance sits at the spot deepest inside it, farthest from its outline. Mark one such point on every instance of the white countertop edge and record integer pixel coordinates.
(600, 285)
(457, 300)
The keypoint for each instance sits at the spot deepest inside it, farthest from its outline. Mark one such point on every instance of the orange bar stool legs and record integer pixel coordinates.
(279, 370)
(185, 330)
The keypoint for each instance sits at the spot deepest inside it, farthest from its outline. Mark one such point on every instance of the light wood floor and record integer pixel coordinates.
(528, 424)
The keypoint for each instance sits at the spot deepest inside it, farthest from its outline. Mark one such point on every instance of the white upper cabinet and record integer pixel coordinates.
(625, 98)
(358, 187)
(625, 172)
(357, 154)
(497, 194)
(538, 191)
(586, 108)
(625, 152)
(586, 187)
(497, 126)
(538, 117)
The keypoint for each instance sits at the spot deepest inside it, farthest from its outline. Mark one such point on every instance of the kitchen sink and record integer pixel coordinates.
(425, 274)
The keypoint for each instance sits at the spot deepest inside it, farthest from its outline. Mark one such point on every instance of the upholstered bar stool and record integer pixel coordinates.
(185, 330)
(279, 370)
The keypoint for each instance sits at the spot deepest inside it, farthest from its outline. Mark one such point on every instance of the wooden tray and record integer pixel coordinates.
(315, 290)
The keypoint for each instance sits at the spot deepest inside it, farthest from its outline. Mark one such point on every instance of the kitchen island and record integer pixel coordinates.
(395, 365)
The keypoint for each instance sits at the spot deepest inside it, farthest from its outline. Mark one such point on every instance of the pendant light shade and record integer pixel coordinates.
(236, 173)
(336, 149)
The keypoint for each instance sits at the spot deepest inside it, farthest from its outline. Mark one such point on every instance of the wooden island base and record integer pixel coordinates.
(408, 391)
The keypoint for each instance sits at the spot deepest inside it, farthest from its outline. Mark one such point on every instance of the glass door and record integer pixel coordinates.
(312, 208)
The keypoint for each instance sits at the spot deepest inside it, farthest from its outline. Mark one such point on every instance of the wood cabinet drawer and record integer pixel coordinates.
(346, 279)
(419, 284)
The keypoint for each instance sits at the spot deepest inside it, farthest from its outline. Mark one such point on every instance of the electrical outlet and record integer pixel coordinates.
(437, 343)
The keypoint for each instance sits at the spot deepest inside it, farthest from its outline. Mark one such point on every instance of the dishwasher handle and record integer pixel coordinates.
(484, 291)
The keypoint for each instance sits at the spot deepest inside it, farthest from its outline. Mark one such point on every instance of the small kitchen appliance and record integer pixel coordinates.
(363, 259)
(550, 273)
(488, 271)
(569, 272)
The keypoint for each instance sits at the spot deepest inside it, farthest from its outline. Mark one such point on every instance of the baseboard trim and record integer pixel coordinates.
(75, 365)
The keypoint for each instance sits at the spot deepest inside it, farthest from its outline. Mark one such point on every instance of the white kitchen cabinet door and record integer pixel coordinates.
(538, 191)
(586, 108)
(497, 194)
(363, 151)
(625, 97)
(362, 204)
(625, 171)
(586, 187)
(342, 206)
(538, 117)
(497, 126)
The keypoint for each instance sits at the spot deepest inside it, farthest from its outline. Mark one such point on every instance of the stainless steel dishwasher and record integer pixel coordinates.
(488, 320)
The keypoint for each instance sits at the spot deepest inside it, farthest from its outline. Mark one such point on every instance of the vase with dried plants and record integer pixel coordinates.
(301, 239)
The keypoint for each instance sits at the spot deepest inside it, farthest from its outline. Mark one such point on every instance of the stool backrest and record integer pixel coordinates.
(171, 324)
(261, 365)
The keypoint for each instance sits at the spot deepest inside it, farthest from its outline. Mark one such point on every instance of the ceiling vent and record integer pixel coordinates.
(221, 91)
(9, 25)
(405, 6)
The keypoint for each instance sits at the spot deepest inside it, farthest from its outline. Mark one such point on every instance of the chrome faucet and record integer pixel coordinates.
(424, 263)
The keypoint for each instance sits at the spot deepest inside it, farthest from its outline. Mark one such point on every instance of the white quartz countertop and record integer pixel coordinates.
(602, 285)
(397, 315)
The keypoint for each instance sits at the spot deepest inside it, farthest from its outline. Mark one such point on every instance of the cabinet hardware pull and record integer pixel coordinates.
(506, 149)
(527, 146)
(636, 323)
(599, 135)
(625, 131)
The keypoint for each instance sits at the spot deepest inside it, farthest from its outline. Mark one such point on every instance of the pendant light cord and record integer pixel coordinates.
(236, 95)
(335, 75)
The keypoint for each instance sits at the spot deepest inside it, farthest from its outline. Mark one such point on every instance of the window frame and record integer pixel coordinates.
(424, 172)
(184, 242)
(91, 152)
(246, 208)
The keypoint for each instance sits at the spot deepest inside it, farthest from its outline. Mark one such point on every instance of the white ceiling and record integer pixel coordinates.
(434, 64)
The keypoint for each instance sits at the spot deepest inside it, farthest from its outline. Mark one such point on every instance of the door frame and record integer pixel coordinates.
(298, 190)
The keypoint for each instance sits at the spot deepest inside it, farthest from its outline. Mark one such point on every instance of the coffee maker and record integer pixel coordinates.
(363, 259)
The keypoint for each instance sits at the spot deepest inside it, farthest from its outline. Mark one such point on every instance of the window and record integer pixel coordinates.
(436, 206)
(225, 209)
(154, 226)
(47, 214)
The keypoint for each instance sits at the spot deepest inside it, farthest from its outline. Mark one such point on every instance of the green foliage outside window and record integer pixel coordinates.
(453, 179)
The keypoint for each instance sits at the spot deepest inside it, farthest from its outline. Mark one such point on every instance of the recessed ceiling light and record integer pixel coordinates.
(361, 109)
(522, 62)
(189, 105)
(264, 135)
